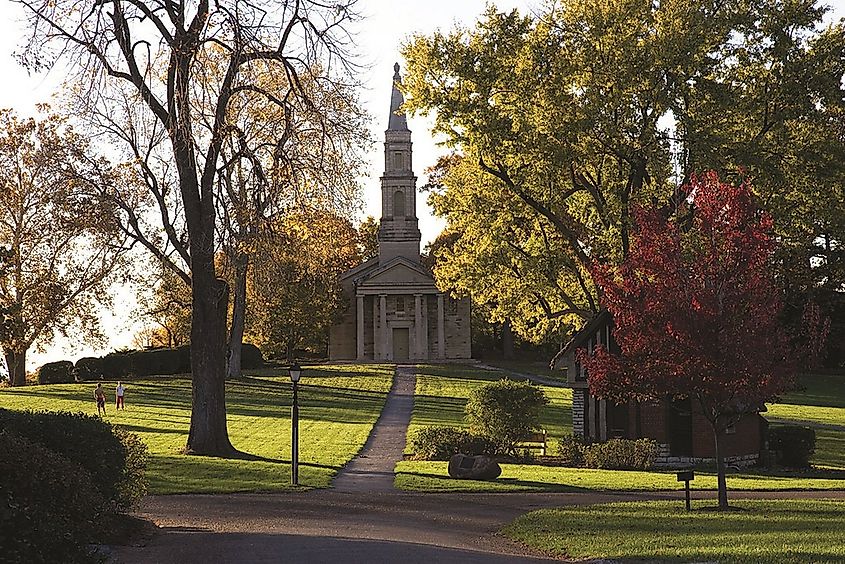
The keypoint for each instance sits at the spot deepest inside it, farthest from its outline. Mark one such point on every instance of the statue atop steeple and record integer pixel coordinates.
(397, 120)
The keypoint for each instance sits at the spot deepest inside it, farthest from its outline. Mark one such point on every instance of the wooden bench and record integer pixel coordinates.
(536, 440)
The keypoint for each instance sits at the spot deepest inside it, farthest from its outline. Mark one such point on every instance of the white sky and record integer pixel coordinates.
(387, 24)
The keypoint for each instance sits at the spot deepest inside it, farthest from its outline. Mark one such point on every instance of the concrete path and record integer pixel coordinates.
(372, 469)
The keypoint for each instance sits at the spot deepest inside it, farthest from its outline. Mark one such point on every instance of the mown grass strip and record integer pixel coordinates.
(771, 531)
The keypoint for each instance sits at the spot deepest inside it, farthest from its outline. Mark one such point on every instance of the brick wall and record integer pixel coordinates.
(744, 441)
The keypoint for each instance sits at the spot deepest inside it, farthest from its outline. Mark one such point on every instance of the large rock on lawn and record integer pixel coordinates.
(479, 467)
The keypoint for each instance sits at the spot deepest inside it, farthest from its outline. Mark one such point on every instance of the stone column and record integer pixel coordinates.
(376, 350)
(360, 317)
(418, 326)
(441, 328)
(382, 306)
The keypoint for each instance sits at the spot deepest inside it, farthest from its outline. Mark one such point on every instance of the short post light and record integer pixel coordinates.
(295, 372)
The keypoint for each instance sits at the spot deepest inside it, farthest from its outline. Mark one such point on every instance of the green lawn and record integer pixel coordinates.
(775, 532)
(434, 477)
(441, 394)
(820, 399)
(819, 402)
(538, 368)
(338, 407)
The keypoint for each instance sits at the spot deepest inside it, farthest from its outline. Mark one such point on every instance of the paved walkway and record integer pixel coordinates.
(372, 469)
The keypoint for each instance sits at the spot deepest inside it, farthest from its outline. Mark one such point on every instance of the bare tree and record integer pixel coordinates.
(159, 76)
(303, 154)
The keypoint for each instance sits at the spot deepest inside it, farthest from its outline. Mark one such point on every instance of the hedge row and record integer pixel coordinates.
(440, 443)
(62, 477)
(123, 365)
(615, 454)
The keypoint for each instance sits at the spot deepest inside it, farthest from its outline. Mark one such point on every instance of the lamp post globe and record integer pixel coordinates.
(295, 372)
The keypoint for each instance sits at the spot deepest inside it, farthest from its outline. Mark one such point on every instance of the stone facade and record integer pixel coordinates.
(395, 313)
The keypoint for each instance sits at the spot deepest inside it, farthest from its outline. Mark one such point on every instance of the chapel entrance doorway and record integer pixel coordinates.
(401, 340)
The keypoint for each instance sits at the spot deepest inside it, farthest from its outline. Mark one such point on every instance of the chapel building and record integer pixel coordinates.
(395, 312)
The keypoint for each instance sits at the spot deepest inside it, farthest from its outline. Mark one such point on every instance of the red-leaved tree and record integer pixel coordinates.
(697, 312)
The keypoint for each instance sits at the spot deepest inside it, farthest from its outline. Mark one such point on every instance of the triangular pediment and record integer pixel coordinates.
(362, 270)
(398, 271)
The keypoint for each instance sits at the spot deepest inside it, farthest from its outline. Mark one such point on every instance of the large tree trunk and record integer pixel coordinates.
(16, 363)
(236, 334)
(208, 434)
(720, 468)
(507, 340)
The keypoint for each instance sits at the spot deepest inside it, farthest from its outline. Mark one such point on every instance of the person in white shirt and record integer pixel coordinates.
(119, 396)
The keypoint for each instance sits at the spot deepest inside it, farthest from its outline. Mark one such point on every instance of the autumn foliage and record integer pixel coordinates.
(697, 311)
(696, 308)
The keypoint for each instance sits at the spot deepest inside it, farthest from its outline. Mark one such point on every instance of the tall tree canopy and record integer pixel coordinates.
(293, 289)
(697, 313)
(60, 241)
(160, 77)
(562, 121)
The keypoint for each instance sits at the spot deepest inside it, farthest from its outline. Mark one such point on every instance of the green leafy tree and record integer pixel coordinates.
(60, 241)
(305, 154)
(294, 293)
(368, 238)
(561, 122)
(164, 305)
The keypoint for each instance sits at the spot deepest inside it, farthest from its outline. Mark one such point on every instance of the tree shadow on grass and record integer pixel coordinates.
(249, 457)
(480, 486)
(821, 473)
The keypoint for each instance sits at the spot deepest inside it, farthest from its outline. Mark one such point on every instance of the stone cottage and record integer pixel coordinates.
(395, 312)
(683, 434)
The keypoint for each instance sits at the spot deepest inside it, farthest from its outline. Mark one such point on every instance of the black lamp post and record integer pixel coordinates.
(295, 372)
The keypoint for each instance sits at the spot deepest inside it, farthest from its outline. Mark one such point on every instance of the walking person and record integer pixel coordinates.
(118, 397)
(100, 397)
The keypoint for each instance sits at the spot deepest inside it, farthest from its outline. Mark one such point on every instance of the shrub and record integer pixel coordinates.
(50, 508)
(440, 443)
(90, 368)
(621, 454)
(156, 362)
(60, 372)
(115, 459)
(792, 444)
(251, 357)
(505, 411)
(570, 449)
